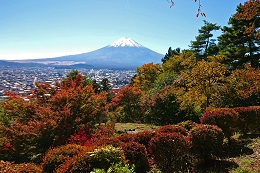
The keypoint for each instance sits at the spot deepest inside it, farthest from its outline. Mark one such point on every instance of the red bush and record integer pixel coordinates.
(136, 154)
(169, 151)
(206, 141)
(126, 137)
(55, 157)
(248, 119)
(172, 129)
(23, 167)
(143, 137)
(225, 118)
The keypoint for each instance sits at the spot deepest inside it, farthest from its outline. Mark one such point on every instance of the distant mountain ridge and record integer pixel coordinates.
(124, 53)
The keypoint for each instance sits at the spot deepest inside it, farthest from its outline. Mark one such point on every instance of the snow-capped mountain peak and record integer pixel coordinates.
(125, 42)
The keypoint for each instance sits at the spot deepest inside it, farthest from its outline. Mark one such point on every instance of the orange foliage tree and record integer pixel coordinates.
(42, 123)
(128, 104)
(250, 12)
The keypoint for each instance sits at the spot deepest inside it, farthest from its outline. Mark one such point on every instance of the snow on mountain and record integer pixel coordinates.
(125, 42)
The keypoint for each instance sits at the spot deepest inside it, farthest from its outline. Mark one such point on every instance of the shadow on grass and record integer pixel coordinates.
(237, 148)
(216, 166)
(249, 136)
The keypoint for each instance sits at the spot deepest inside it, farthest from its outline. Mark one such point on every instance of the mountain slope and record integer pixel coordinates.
(124, 53)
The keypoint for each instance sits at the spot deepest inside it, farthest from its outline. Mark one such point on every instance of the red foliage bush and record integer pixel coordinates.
(169, 151)
(57, 156)
(225, 118)
(103, 132)
(206, 141)
(248, 119)
(136, 154)
(172, 129)
(82, 137)
(143, 137)
(126, 137)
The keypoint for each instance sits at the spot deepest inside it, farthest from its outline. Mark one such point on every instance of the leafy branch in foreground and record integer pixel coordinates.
(199, 8)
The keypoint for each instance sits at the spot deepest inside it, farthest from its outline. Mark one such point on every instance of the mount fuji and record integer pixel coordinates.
(124, 53)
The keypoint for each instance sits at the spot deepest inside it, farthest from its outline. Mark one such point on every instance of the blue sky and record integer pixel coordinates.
(49, 28)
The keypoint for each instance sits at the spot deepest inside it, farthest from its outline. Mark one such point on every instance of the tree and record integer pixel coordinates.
(37, 125)
(180, 62)
(250, 12)
(164, 107)
(202, 82)
(104, 85)
(241, 88)
(146, 76)
(204, 45)
(240, 42)
(170, 54)
(128, 103)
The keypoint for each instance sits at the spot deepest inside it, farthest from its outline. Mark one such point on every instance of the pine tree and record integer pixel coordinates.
(240, 42)
(205, 45)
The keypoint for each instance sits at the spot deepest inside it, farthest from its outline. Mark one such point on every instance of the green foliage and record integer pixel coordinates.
(188, 125)
(206, 141)
(170, 54)
(104, 85)
(57, 156)
(225, 118)
(164, 108)
(117, 168)
(239, 41)
(204, 45)
(5, 118)
(169, 151)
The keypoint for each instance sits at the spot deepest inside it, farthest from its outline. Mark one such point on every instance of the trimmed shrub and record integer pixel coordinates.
(104, 141)
(248, 119)
(169, 151)
(23, 167)
(172, 129)
(136, 154)
(101, 158)
(126, 137)
(143, 137)
(225, 118)
(57, 156)
(206, 141)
